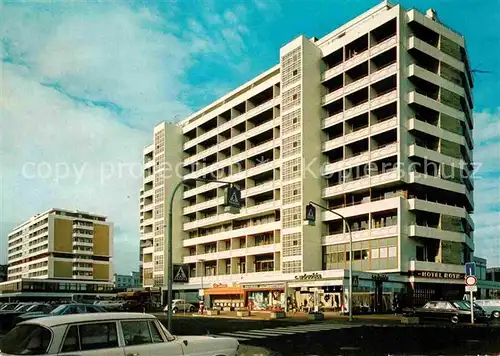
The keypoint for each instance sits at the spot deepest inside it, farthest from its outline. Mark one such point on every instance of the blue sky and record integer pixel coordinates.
(84, 83)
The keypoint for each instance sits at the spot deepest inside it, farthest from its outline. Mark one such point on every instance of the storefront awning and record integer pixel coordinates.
(224, 291)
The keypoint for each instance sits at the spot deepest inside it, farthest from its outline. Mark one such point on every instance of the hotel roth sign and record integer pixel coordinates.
(437, 275)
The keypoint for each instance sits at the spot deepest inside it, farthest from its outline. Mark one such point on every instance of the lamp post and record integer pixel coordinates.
(311, 217)
(232, 202)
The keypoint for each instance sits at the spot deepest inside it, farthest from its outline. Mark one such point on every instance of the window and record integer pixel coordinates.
(27, 340)
(136, 333)
(98, 336)
(155, 334)
(71, 341)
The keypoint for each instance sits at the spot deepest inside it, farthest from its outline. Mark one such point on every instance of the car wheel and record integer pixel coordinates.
(191, 309)
(175, 310)
(454, 319)
(496, 314)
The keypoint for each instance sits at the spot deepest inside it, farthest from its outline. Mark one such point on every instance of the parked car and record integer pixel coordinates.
(454, 311)
(110, 334)
(490, 306)
(8, 318)
(9, 306)
(180, 305)
(63, 309)
(111, 305)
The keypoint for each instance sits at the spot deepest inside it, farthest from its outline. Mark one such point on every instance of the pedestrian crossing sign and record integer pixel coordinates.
(181, 273)
(233, 199)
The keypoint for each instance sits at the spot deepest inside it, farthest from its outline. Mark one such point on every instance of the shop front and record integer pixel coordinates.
(436, 285)
(227, 297)
(372, 293)
(260, 297)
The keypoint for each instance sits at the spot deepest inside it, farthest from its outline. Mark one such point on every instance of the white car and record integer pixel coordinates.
(180, 305)
(110, 334)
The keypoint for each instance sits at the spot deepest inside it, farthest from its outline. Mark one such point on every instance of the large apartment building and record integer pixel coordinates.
(60, 251)
(374, 121)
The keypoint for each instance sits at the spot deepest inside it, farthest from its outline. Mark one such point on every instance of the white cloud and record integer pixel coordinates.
(82, 86)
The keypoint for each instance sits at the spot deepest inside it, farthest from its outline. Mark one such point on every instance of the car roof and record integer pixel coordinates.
(86, 317)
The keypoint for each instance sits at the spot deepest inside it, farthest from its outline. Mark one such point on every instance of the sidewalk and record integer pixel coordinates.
(297, 316)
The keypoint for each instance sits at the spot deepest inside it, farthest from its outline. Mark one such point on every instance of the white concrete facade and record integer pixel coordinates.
(373, 120)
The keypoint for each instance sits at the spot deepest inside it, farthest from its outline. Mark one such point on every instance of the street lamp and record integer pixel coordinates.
(233, 204)
(202, 268)
(311, 218)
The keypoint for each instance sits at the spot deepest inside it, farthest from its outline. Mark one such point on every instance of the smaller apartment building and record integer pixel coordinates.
(374, 120)
(61, 250)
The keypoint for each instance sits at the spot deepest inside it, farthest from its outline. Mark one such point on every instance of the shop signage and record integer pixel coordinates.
(263, 286)
(308, 277)
(219, 285)
(380, 277)
(437, 275)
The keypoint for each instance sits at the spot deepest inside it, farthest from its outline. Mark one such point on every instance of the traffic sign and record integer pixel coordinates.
(470, 269)
(311, 214)
(233, 200)
(181, 273)
(470, 281)
(471, 288)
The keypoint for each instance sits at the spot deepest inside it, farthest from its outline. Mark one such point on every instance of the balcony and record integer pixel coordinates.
(148, 193)
(383, 45)
(147, 236)
(438, 208)
(384, 125)
(241, 118)
(416, 44)
(417, 98)
(435, 233)
(82, 252)
(241, 252)
(332, 120)
(206, 204)
(362, 183)
(261, 188)
(231, 141)
(422, 73)
(349, 88)
(224, 235)
(426, 153)
(328, 98)
(384, 99)
(83, 269)
(367, 207)
(356, 110)
(383, 72)
(356, 59)
(386, 231)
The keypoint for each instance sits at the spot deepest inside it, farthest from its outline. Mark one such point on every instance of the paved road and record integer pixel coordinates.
(339, 337)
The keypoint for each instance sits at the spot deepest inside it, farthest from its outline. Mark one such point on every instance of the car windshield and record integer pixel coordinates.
(462, 305)
(26, 340)
(9, 307)
(26, 307)
(58, 310)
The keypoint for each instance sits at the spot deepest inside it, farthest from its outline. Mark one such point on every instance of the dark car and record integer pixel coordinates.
(454, 311)
(8, 306)
(8, 316)
(63, 309)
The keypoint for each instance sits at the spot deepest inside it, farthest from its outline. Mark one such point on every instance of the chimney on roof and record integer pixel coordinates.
(432, 14)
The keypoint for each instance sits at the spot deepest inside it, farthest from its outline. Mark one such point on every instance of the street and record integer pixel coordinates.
(339, 337)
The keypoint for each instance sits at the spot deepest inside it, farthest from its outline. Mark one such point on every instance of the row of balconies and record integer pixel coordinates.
(270, 185)
(234, 140)
(360, 57)
(361, 133)
(268, 145)
(241, 252)
(361, 158)
(244, 212)
(362, 183)
(371, 78)
(264, 167)
(242, 118)
(377, 102)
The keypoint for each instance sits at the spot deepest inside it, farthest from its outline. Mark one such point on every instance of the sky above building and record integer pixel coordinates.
(83, 84)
